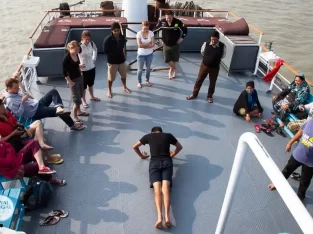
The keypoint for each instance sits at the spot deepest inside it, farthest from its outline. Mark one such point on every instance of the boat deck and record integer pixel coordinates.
(108, 186)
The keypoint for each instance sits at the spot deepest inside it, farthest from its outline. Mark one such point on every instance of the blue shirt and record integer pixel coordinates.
(303, 153)
(251, 100)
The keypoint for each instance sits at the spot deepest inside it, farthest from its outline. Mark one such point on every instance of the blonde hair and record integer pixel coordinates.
(145, 23)
(72, 44)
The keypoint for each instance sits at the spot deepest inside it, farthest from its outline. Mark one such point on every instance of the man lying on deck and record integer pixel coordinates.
(160, 168)
(23, 105)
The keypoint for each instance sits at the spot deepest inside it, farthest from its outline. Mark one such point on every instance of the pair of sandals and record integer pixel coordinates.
(54, 217)
(269, 126)
(191, 97)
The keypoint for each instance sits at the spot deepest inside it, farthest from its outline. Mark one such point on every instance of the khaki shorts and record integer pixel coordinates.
(171, 53)
(114, 68)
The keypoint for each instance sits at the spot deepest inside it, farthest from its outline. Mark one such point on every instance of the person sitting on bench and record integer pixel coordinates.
(23, 105)
(15, 133)
(248, 104)
(294, 126)
(289, 100)
(160, 168)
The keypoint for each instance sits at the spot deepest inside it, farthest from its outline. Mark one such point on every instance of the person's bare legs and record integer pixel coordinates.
(172, 71)
(110, 89)
(92, 97)
(158, 202)
(39, 159)
(76, 111)
(84, 98)
(167, 202)
(127, 90)
(37, 131)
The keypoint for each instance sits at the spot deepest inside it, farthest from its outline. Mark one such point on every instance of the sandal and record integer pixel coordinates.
(85, 105)
(59, 213)
(96, 99)
(190, 97)
(50, 220)
(63, 113)
(257, 128)
(78, 121)
(210, 100)
(280, 132)
(83, 114)
(57, 182)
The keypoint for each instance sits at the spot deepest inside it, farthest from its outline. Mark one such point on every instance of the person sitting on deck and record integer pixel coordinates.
(114, 46)
(173, 33)
(301, 156)
(294, 126)
(289, 100)
(213, 51)
(23, 105)
(160, 168)
(15, 133)
(248, 104)
(28, 162)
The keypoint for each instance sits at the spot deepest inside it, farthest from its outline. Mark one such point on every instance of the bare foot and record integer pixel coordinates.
(139, 85)
(59, 109)
(271, 187)
(148, 84)
(168, 224)
(158, 224)
(127, 90)
(109, 94)
(46, 147)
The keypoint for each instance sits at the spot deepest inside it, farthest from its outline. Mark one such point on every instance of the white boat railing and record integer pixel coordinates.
(295, 206)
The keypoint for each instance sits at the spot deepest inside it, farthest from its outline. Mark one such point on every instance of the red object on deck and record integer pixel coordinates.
(270, 75)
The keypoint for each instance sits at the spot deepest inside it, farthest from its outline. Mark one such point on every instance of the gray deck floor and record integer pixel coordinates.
(108, 188)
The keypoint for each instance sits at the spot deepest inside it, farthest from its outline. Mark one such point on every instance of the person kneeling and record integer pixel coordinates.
(160, 168)
(248, 104)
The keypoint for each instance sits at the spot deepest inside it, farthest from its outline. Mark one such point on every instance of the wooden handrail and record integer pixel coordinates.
(290, 68)
(190, 10)
(87, 11)
(33, 33)
(250, 26)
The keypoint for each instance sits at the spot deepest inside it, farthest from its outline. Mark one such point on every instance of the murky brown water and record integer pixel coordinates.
(287, 22)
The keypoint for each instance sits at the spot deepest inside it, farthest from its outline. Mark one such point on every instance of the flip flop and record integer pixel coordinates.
(59, 213)
(83, 114)
(50, 220)
(78, 121)
(280, 132)
(267, 131)
(210, 100)
(85, 105)
(257, 128)
(95, 99)
(190, 97)
(63, 113)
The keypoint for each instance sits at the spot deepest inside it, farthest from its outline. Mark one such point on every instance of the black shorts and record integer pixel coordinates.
(89, 78)
(160, 170)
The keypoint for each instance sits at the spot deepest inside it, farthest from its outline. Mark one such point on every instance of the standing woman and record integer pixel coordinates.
(88, 57)
(72, 73)
(145, 41)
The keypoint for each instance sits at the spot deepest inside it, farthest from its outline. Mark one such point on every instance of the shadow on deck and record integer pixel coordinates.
(108, 188)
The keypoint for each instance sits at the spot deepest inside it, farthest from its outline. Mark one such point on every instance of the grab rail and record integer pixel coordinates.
(295, 206)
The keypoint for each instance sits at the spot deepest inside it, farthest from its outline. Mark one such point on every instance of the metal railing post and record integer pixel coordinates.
(295, 206)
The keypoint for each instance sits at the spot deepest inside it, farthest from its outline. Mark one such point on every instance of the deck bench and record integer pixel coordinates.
(11, 208)
(23, 181)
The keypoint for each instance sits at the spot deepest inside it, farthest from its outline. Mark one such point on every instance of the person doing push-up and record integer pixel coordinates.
(160, 168)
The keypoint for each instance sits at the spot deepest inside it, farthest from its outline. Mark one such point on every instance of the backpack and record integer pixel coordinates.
(37, 194)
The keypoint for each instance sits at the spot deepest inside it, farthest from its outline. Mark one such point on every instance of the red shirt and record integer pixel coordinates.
(6, 128)
(10, 161)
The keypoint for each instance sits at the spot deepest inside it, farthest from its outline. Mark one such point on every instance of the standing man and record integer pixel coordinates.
(173, 33)
(213, 51)
(115, 47)
(160, 168)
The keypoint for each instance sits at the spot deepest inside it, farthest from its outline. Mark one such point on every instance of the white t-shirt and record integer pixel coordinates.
(145, 51)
